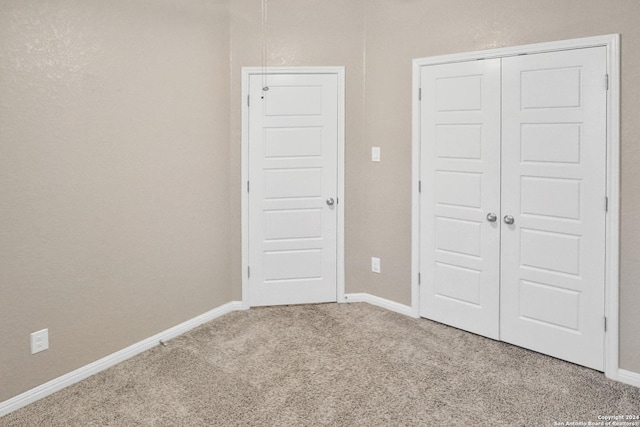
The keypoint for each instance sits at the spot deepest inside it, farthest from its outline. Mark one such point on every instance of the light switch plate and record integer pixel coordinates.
(375, 154)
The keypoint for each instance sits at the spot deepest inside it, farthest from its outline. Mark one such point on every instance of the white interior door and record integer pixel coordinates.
(460, 180)
(293, 152)
(535, 156)
(553, 185)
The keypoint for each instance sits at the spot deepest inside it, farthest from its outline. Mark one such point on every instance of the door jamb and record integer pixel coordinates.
(612, 261)
(247, 72)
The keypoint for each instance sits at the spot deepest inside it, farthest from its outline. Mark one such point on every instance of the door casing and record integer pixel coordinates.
(247, 72)
(612, 44)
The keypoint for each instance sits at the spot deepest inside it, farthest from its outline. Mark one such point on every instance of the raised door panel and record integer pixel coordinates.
(460, 174)
(293, 140)
(553, 184)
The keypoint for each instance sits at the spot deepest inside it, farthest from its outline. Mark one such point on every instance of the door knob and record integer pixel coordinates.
(491, 217)
(330, 201)
(508, 219)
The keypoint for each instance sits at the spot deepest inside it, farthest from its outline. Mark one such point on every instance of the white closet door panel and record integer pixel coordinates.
(553, 184)
(460, 152)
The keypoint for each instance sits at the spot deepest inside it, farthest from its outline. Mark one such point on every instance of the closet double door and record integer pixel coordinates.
(512, 206)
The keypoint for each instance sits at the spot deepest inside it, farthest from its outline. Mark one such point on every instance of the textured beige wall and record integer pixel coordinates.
(113, 176)
(399, 30)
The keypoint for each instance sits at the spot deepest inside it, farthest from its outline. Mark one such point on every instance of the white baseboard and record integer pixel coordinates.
(628, 377)
(86, 371)
(380, 302)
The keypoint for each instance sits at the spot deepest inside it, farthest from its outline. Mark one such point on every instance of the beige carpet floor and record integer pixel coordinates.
(333, 364)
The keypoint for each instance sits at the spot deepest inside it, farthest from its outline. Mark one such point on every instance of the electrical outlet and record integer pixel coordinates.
(375, 154)
(375, 264)
(39, 341)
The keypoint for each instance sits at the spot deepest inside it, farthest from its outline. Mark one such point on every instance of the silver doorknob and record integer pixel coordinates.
(330, 201)
(491, 217)
(508, 219)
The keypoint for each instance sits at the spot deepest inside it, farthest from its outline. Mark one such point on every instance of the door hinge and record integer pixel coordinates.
(419, 186)
(248, 271)
(247, 186)
(605, 323)
(419, 94)
(248, 102)
(606, 204)
(606, 81)
(419, 278)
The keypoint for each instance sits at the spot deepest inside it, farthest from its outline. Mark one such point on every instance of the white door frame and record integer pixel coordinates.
(247, 72)
(612, 43)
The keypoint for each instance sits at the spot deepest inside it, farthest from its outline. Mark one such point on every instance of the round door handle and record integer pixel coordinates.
(508, 219)
(330, 201)
(491, 217)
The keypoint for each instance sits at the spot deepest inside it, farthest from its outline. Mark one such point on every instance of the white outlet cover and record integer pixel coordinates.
(375, 154)
(375, 264)
(39, 341)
